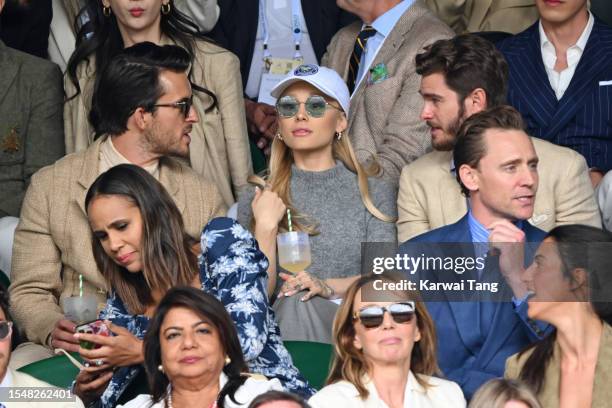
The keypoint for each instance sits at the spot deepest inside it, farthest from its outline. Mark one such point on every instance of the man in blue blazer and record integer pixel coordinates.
(497, 170)
(561, 80)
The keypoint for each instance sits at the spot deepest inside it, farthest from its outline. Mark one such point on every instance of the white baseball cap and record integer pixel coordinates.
(324, 79)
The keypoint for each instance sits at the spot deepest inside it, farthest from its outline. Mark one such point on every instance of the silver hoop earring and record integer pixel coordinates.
(106, 11)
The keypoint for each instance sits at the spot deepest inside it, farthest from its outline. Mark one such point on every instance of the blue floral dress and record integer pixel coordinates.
(233, 269)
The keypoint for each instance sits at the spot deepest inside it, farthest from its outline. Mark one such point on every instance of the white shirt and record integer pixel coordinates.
(440, 394)
(384, 24)
(251, 388)
(280, 42)
(7, 381)
(560, 81)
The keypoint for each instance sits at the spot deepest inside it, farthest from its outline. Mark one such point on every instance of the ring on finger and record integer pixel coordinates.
(99, 362)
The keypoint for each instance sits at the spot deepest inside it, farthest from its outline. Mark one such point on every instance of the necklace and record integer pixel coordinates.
(169, 401)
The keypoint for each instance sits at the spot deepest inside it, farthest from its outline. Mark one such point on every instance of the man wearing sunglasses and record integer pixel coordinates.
(141, 109)
(376, 58)
(10, 380)
(496, 167)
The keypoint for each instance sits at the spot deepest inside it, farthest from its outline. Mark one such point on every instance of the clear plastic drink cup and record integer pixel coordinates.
(293, 251)
(80, 309)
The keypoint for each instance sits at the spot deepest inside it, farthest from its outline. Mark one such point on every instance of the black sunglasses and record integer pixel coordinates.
(316, 105)
(184, 105)
(373, 316)
(5, 329)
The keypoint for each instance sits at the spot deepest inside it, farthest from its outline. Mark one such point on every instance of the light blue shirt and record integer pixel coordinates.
(383, 25)
(479, 235)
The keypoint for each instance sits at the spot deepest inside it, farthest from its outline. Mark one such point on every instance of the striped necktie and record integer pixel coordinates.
(360, 44)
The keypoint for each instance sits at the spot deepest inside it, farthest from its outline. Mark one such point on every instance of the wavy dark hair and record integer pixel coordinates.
(167, 258)
(467, 62)
(132, 80)
(100, 36)
(579, 247)
(213, 312)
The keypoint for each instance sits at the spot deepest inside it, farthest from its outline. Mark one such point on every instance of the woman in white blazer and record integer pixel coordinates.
(385, 352)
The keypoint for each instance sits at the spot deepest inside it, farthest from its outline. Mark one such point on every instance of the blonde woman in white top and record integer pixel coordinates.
(385, 353)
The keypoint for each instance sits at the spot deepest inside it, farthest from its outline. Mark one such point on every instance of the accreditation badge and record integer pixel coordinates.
(277, 69)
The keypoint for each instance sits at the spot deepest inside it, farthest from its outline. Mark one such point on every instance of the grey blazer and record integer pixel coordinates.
(31, 125)
(384, 118)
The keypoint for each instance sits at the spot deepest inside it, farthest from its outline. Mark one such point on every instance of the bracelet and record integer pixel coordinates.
(331, 290)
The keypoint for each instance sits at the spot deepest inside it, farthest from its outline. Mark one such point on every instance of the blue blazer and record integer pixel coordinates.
(476, 338)
(582, 119)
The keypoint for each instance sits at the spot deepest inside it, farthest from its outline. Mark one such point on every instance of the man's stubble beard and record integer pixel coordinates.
(453, 129)
(157, 142)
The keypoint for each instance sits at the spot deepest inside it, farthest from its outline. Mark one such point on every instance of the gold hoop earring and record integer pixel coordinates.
(339, 135)
(278, 136)
(106, 11)
(165, 8)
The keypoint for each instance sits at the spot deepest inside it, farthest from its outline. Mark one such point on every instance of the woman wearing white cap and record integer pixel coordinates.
(314, 173)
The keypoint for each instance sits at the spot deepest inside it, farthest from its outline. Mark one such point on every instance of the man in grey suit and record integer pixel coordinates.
(31, 124)
(31, 131)
(376, 58)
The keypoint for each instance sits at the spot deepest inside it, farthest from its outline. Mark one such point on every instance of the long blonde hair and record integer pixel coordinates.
(497, 392)
(278, 178)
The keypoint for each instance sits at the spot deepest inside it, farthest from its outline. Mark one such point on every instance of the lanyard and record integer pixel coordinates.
(296, 27)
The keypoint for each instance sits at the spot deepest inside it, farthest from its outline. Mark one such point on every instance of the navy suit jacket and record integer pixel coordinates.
(471, 352)
(582, 119)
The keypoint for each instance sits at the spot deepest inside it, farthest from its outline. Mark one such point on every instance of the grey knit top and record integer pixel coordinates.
(332, 199)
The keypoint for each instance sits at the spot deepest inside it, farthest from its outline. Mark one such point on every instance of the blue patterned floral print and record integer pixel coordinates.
(233, 269)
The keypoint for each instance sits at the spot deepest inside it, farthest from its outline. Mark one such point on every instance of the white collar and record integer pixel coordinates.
(7, 381)
(582, 40)
(412, 385)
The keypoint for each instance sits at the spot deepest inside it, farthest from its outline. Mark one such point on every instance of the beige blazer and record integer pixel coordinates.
(52, 243)
(384, 117)
(219, 148)
(510, 16)
(549, 394)
(441, 393)
(430, 197)
(27, 381)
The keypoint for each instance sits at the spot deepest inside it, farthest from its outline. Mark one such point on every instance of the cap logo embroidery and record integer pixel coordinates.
(305, 70)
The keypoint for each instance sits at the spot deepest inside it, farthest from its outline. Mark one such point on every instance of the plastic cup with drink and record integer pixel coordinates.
(293, 249)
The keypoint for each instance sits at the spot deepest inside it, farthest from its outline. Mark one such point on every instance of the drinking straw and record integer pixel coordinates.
(289, 220)
(81, 285)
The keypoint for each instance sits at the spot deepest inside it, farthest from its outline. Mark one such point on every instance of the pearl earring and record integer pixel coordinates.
(160, 368)
(227, 360)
